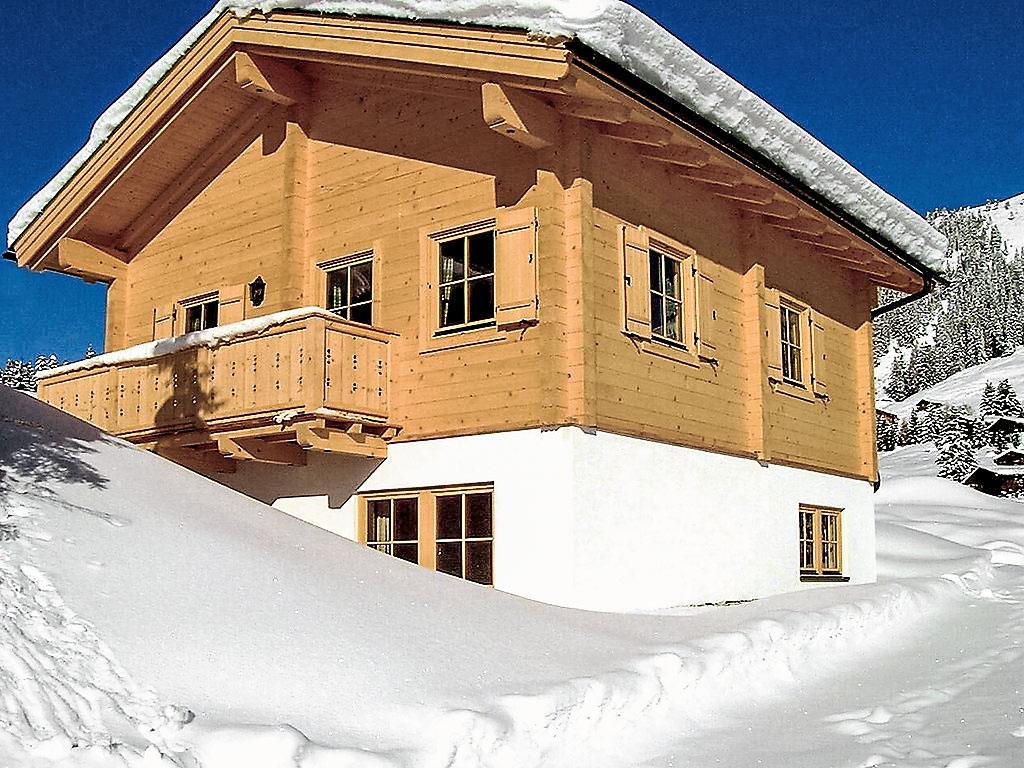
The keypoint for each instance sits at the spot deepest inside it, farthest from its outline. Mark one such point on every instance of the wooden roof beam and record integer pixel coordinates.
(747, 193)
(317, 437)
(638, 133)
(519, 116)
(713, 174)
(89, 261)
(270, 79)
(677, 154)
(266, 451)
(777, 209)
(597, 111)
(830, 240)
(802, 224)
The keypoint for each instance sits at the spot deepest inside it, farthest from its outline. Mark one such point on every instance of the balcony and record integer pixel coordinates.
(267, 389)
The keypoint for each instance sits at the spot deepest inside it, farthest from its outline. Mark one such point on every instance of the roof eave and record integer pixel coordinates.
(615, 74)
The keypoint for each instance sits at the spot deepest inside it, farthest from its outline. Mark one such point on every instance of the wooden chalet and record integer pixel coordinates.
(484, 300)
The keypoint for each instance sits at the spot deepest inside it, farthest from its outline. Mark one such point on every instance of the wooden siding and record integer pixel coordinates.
(381, 158)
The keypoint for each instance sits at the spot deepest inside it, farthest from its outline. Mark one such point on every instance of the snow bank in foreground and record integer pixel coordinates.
(623, 34)
(128, 609)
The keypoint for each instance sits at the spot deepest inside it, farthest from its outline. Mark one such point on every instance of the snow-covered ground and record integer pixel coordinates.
(154, 618)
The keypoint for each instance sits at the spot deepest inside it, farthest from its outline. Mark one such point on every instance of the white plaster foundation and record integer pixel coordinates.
(601, 521)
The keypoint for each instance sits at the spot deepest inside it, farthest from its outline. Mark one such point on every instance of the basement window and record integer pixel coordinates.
(821, 543)
(450, 530)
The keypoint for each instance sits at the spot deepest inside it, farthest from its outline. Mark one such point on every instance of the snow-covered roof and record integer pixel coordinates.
(623, 34)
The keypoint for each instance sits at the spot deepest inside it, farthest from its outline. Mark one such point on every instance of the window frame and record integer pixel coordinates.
(428, 538)
(789, 307)
(201, 301)
(346, 263)
(450, 236)
(826, 554)
(696, 299)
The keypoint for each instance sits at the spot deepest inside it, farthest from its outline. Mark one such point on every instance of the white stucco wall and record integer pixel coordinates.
(601, 521)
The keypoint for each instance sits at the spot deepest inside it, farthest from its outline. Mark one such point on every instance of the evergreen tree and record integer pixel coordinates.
(1006, 401)
(903, 436)
(988, 408)
(885, 433)
(956, 459)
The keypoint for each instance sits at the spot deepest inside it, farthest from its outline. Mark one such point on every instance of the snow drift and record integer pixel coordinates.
(153, 617)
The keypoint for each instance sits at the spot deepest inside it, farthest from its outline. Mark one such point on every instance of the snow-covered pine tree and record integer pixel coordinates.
(988, 408)
(885, 433)
(1006, 401)
(956, 459)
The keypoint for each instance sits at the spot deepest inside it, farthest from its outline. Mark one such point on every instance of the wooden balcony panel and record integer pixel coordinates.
(307, 366)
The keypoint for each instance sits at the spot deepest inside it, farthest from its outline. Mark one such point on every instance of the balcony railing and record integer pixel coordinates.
(302, 375)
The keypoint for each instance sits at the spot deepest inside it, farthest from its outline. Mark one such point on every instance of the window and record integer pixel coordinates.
(666, 297)
(392, 527)
(466, 281)
(350, 290)
(464, 539)
(796, 347)
(792, 349)
(201, 313)
(821, 548)
(446, 529)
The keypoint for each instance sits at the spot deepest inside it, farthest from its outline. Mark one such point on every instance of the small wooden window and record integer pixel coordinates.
(821, 547)
(466, 281)
(448, 529)
(392, 527)
(667, 283)
(350, 291)
(791, 322)
(201, 315)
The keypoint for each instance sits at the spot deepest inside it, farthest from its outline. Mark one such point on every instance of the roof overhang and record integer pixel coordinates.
(241, 71)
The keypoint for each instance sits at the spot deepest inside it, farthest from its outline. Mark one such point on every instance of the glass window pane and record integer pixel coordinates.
(452, 260)
(210, 312)
(453, 305)
(385, 548)
(361, 313)
(478, 515)
(657, 315)
(672, 281)
(481, 299)
(378, 527)
(406, 513)
(673, 320)
(193, 319)
(478, 562)
(407, 552)
(361, 283)
(337, 289)
(481, 253)
(656, 259)
(449, 517)
(449, 557)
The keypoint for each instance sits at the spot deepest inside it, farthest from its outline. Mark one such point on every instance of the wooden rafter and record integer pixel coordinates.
(677, 154)
(638, 133)
(266, 451)
(316, 436)
(89, 261)
(270, 79)
(519, 116)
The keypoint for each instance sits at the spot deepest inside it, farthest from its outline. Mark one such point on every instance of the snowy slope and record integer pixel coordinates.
(621, 33)
(154, 618)
(1007, 216)
(965, 387)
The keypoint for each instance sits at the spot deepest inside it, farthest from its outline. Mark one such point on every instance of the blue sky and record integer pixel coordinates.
(923, 97)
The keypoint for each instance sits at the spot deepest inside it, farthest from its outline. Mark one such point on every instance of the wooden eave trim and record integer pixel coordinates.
(599, 66)
(283, 34)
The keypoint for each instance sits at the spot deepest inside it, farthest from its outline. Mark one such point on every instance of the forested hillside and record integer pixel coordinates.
(977, 317)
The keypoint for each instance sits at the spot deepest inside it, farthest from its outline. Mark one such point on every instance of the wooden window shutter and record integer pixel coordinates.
(515, 267)
(818, 355)
(232, 304)
(636, 260)
(705, 314)
(163, 322)
(773, 332)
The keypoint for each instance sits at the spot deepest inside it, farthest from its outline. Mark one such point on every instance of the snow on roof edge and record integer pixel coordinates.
(620, 33)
